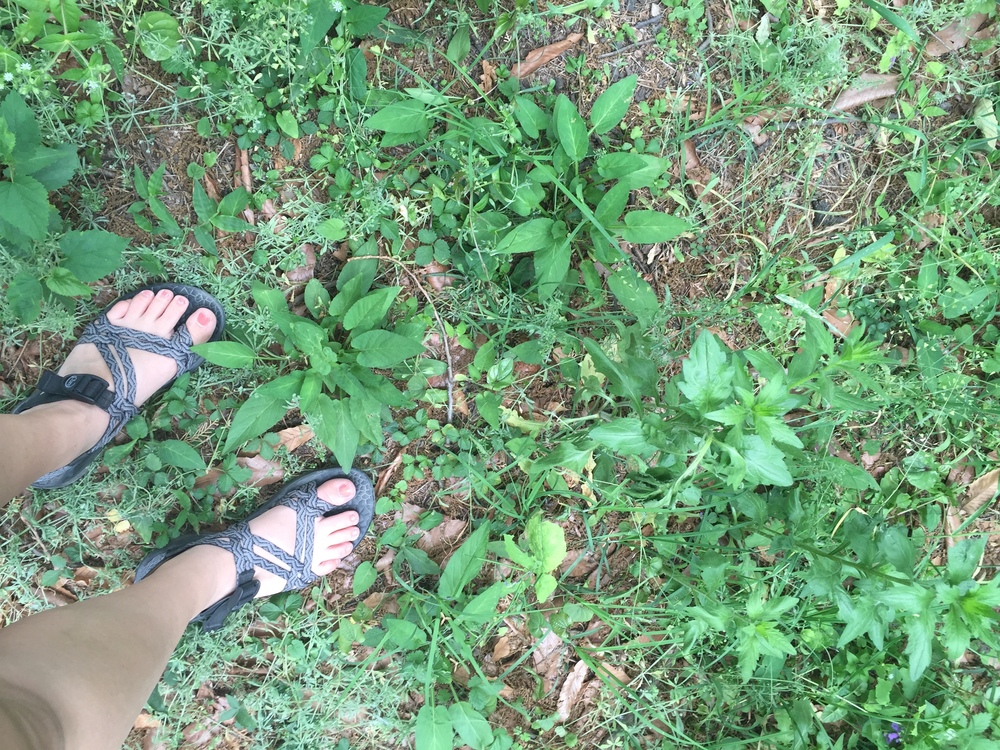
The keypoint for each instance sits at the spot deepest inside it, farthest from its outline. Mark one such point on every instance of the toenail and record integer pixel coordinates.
(352, 518)
(164, 292)
(346, 490)
(204, 318)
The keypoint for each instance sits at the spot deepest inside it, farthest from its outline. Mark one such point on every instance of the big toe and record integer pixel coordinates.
(336, 491)
(201, 325)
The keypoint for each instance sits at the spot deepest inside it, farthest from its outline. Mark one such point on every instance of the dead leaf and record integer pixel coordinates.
(436, 276)
(294, 438)
(981, 492)
(145, 721)
(503, 648)
(208, 478)
(547, 658)
(570, 691)
(842, 325)
(268, 209)
(538, 57)
(753, 126)
(443, 539)
(955, 35)
(211, 187)
(606, 670)
(868, 88)
(244, 165)
(302, 274)
(263, 472)
(383, 481)
(461, 405)
(489, 76)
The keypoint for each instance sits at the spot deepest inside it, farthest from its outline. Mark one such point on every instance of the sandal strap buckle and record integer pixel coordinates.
(90, 389)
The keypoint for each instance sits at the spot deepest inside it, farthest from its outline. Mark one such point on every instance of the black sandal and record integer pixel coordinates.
(113, 343)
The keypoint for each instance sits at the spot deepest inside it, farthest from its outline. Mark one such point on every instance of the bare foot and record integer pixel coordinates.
(332, 543)
(158, 314)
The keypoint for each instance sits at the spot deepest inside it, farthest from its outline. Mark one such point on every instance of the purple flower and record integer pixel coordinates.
(895, 737)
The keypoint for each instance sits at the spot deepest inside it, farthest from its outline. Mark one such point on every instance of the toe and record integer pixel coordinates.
(327, 566)
(201, 325)
(336, 491)
(333, 524)
(119, 310)
(137, 306)
(161, 300)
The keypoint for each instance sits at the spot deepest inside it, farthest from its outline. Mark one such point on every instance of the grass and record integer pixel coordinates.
(758, 420)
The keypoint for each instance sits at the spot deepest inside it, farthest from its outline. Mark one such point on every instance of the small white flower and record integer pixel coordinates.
(91, 86)
(337, 6)
(24, 67)
(8, 77)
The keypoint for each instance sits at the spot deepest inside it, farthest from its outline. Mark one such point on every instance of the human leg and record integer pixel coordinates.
(93, 664)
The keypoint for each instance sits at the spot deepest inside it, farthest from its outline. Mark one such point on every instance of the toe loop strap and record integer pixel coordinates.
(89, 389)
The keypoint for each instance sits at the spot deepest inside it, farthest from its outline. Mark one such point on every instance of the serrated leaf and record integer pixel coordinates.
(24, 295)
(570, 129)
(225, 353)
(707, 373)
(611, 106)
(92, 254)
(369, 311)
(262, 410)
(21, 122)
(964, 558)
(434, 728)
(623, 435)
(384, 348)
(465, 564)
(24, 202)
(765, 464)
(179, 454)
(53, 167)
(63, 282)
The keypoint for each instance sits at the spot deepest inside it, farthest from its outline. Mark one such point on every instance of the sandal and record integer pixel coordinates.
(299, 495)
(112, 342)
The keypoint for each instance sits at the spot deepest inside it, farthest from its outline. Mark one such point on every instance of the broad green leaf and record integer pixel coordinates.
(530, 116)
(21, 121)
(407, 116)
(7, 141)
(707, 373)
(623, 436)
(482, 608)
(159, 35)
(434, 728)
(920, 642)
(635, 294)
(472, 728)
(92, 254)
(984, 117)
(362, 19)
(323, 16)
(419, 561)
(527, 237)
(552, 263)
(364, 576)
(459, 46)
(465, 564)
(231, 224)
(262, 410)
(611, 106)
(545, 586)
(632, 170)
(204, 206)
(53, 167)
(288, 124)
(765, 464)
(179, 454)
(331, 421)
(67, 14)
(384, 348)
(234, 202)
(570, 129)
(225, 353)
(369, 311)
(547, 542)
(964, 558)
(366, 414)
(648, 227)
(24, 202)
(317, 298)
(518, 556)
(24, 295)
(332, 230)
(62, 281)
(404, 634)
(610, 208)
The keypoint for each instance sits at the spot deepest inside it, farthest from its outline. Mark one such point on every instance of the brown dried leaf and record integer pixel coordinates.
(262, 471)
(538, 57)
(440, 541)
(489, 76)
(868, 88)
(503, 648)
(570, 691)
(955, 35)
(294, 438)
(842, 325)
(211, 187)
(145, 721)
(753, 125)
(244, 163)
(302, 274)
(268, 209)
(691, 159)
(383, 481)
(548, 658)
(208, 478)
(436, 276)
(611, 672)
(981, 492)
